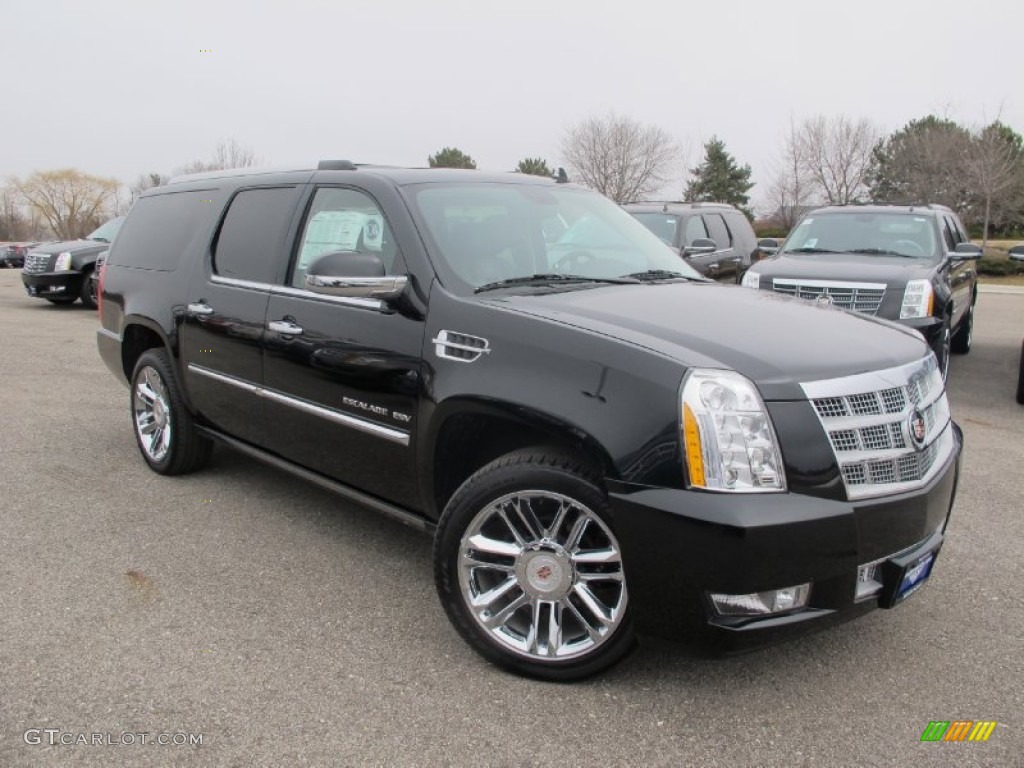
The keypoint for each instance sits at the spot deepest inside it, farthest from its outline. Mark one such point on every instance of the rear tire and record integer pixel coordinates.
(164, 430)
(529, 571)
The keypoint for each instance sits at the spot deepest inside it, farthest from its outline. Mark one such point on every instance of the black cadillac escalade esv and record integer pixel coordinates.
(600, 441)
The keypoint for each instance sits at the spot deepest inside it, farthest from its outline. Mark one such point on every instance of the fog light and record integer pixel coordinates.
(762, 603)
(869, 580)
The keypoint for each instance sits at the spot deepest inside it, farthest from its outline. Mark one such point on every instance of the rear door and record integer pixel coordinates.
(725, 256)
(343, 374)
(226, 310)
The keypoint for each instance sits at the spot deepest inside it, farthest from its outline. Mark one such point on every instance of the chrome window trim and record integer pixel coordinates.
(287, 290)
(362, 425)
(236, 283)
(349, 301)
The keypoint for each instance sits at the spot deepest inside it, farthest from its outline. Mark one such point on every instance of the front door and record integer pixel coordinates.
(342, 375)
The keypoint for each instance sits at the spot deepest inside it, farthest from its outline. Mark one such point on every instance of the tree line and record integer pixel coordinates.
(978, 172)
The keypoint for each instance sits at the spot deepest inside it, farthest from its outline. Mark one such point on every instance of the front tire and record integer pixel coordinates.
(61, 300)
(943, 346)
(164, 429)
(529, 570)
(961, 343)
(88, 291)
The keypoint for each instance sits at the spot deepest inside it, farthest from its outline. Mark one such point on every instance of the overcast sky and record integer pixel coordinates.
(122, 88)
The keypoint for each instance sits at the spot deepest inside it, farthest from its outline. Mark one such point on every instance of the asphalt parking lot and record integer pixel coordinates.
(287, 627)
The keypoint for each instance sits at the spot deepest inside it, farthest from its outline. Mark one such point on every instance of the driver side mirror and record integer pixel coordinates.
(701, 246)
(353, 274)
(768, 246)
(966, 252)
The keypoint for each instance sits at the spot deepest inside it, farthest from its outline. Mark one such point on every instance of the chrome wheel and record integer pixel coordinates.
(152, 412)
(541, 574)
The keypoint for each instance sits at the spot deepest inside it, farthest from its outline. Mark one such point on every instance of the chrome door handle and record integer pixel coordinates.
(200, 308)
(284, 327)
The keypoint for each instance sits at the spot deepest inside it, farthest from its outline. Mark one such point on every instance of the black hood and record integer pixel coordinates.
(851, 267)
(773, 340)
(74, 246)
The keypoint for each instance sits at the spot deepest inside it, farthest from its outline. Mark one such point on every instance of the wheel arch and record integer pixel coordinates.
(466, 433)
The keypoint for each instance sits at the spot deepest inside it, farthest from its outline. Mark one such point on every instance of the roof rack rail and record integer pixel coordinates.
(336, 165)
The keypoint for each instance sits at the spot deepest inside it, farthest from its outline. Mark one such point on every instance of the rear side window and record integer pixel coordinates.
(695, 230)
(251, 243)
(717, 228)
(741, 231)
(161, 228)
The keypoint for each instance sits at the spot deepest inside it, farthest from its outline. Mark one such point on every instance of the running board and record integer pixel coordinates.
(383, 507)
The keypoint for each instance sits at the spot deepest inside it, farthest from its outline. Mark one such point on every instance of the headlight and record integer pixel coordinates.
(751, 279)
(918, 299)
(63, 263)
(728, 438)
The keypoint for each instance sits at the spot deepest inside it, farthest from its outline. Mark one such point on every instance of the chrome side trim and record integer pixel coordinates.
(390, 510)
(369, 427)
(460, 347)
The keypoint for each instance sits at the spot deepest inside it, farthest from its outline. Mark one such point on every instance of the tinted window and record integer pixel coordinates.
(161, 228)
(694, 229)
(741, 231)
(251, 241)
(345, 220)
(716, 226)
(949, 233)
(664, 225)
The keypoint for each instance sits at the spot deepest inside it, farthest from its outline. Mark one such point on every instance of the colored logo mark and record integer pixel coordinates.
(958, 730)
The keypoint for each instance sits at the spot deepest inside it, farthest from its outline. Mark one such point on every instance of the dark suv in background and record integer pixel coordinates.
(715, 239)
(912, 264)
(64, 272)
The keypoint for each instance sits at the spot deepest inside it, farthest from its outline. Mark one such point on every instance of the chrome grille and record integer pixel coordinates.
(867, 420)
(860, 297)
(37, 262)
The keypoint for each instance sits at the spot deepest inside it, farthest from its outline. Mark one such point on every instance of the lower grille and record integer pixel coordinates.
(37, 262)
(859, 297)
(871, 424)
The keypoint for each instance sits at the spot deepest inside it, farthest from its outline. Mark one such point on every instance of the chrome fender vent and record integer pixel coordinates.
(460, 347)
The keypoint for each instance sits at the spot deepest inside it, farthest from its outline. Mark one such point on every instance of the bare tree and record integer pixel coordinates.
(792, 190)
(71, 202)
(993, 162)
(836, 154)
(619, 157)
(226, 155)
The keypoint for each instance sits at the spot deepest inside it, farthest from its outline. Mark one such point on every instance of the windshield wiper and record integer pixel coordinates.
(550, 277)
(809, 250)
(881, 252)
(658, 274)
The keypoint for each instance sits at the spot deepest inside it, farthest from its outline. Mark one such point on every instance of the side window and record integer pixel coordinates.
(695, 229)
(345, 220)
(161, 228)
(739, 228)
(959, 227)
(718, 230)
(949, 233)
(250, 245)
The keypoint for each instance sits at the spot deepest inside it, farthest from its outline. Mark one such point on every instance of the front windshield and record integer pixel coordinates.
(107, 231)
(885, 234)
(487, 233)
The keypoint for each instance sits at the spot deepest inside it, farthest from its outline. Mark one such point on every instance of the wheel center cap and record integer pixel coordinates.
(544, 574)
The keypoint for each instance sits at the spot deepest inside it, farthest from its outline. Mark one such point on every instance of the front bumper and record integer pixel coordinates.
(52, 284)
(679, 546)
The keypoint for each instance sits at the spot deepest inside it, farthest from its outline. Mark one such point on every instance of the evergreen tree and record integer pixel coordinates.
(450, 157)
(534, 166)
(719, 179)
